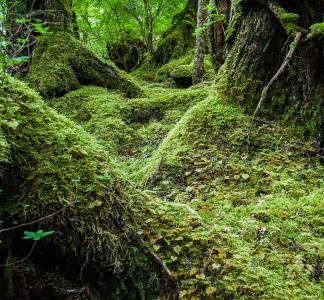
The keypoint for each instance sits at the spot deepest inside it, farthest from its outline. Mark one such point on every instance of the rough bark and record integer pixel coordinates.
(198, 70)
(259, 49)
(216, 32)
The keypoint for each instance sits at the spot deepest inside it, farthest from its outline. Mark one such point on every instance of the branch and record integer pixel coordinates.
(23, 259)
(279, 72)
(34, 222)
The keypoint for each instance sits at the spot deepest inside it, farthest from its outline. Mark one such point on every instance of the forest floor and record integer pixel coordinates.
(237, 204)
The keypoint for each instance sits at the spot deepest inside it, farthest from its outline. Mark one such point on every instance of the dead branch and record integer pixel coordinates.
(281, 70)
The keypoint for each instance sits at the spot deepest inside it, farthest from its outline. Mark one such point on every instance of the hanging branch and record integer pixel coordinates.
(279, 72)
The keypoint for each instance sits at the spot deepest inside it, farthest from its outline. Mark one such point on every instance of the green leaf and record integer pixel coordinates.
(36, 236)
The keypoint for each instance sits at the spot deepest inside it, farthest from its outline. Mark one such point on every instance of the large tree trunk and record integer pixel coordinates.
(261, 46)
(198, 70)
(61, 63)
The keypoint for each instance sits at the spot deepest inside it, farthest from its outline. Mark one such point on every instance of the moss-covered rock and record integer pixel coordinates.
(61, 63)
(182, 76)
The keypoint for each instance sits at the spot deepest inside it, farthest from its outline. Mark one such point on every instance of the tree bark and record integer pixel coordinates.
(149, 26)
(216, 32)
(198, 70)
(260, 46)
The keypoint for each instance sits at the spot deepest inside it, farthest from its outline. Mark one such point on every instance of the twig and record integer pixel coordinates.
(23, 259)
(163, 264)
(33, 222)
(278, 73)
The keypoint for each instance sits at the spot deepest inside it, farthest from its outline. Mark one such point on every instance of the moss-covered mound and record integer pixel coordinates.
(242, 213)
(48, 165)
(61, 63)
(128, 128)
(179, 71)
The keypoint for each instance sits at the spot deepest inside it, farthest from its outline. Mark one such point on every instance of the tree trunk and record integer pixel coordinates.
(60, 62)
(179, 39)
(149, 26)
(216, 32)
(198, 70)
(261, 44)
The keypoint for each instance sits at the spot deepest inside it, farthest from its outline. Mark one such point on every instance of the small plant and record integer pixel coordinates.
(36, 236)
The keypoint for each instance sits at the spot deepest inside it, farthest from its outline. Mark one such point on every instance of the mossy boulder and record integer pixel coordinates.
(182, 76)
(61, 63)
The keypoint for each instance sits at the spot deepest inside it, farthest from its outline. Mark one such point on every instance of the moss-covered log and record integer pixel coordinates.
(49, 165)
(61, 63)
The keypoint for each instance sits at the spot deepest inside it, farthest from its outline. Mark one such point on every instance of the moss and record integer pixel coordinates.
(56, 164)
(3, 148)
(124, 127)
(289, 20)
(316, 29)
(182, 71)
(235, 21)
(183, 66)
(179, 38)
(240, 216)
(61, 63)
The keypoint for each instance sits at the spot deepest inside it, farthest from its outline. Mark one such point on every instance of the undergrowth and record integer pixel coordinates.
(233, 208)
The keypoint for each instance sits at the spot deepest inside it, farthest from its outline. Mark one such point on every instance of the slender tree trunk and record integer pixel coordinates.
(198, 71)
(149, 26)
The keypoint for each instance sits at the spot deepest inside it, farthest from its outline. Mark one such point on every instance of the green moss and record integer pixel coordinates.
(289, 20)
(183, 66)
(316, 29)
(56, 164)
(179, 38)
(61, 62)
(236, 19)
(127, 127)
(241, 216)
(3, 148)
(182, 71)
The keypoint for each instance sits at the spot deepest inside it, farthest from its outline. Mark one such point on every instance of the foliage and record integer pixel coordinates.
(36, 236)
(116, 21)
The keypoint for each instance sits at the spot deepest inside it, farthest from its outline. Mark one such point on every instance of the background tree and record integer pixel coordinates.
(61, 63)
(219, 11)
(198, 71)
